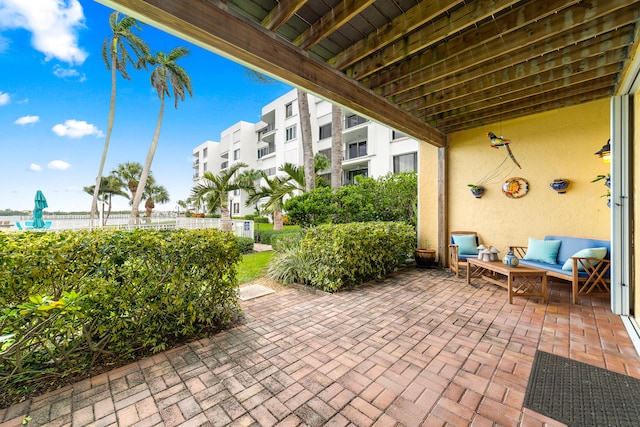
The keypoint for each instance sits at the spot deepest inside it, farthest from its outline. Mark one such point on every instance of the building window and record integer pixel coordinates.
(236, 136)
(325, 131)
(353, 120)
(236, 192)
(290, 133)
(357, 149)
(224, 165)
(236, 154)
(270, 171)
(204, 152)
(397, 135)
(288, 109)
(326, 153)
(405, 163)
(236, 208)
(204, 167)
(357, 172)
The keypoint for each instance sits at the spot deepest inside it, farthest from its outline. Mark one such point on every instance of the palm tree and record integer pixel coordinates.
(116, 56)
(297, 174)
(214, 191)
(154, 193)
(109, 186)
(275, 190)
(167, 76)
(307, 141)
(336, 147)
(129, 174)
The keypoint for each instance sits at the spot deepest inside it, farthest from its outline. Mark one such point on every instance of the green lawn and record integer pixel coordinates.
(253, 266)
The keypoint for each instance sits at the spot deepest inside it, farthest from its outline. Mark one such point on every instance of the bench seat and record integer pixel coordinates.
(593, 281)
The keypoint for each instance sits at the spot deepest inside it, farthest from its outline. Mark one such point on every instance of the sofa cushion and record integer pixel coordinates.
(543, 250)
(599, 253)
(571, 245)
(467, 243)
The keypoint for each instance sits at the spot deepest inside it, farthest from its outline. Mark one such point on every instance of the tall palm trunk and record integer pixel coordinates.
(225, 217)
(133, 219)
(307, 142)
(336, 147)
(277, 220)
(112, 113)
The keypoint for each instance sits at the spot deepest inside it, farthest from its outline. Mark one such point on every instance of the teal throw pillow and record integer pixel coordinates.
(599, 253)
(467, 244)
(543, 250)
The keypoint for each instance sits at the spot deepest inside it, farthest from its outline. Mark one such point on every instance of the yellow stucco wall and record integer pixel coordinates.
(428, 196)
(556, 144)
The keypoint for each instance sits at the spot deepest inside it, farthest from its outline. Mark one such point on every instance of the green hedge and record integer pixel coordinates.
(69, 299)
(245, 244)
(342, 255)
(266, 236)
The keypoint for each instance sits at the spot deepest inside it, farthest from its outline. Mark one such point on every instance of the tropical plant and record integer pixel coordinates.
(115, 53)
(274, 190)
(213, 192)
(154, 193)
(109, 186)
(129, 174)
(166, 77)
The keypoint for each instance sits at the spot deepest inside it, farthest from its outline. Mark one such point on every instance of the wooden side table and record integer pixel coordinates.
(519, 281)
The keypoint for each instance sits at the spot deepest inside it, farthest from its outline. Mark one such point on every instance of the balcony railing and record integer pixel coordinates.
(353, 120)
(196, 162)
(265, 151)
(196, 176)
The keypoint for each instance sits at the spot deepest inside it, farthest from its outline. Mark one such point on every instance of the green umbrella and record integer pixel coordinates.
(40, 204)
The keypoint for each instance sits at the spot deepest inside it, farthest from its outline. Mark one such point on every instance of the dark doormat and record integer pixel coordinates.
(582, 395)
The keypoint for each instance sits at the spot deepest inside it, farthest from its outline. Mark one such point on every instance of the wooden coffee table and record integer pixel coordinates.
(520, 281)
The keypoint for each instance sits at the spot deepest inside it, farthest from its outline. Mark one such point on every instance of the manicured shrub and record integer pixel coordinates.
(71, 299)
(389, 198)
(265, 236)
(245, 244)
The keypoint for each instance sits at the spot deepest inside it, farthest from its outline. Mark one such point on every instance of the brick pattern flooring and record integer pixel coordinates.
(419, 348)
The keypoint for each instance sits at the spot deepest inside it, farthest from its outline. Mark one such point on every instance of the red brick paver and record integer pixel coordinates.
(419, 348)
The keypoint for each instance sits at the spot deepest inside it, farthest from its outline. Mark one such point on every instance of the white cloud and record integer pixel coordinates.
(4, 98)
(65, 73)
(27, 120)
(59, 165)
(76, 129)
(53, 24)
(4, 44)
(35, 167)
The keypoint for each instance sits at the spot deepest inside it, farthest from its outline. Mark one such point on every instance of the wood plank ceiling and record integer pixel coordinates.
(457, 64)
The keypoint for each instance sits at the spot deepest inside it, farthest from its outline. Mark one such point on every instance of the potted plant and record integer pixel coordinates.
(476, 190)
(607, 183)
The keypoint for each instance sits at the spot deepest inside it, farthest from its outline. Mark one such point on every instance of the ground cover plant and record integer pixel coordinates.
(75, 301)
(331, 257)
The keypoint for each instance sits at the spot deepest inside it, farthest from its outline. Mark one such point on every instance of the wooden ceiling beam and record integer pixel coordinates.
(526, 60)
(533, 109)
(523, 91)
(330, 22)
(281, 13)
(498, 87)
(399, 27)
(211, 25)
(424, 42)
(537, 37)
(449, 120)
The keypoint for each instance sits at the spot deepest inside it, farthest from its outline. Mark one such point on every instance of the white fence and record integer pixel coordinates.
(241, 227)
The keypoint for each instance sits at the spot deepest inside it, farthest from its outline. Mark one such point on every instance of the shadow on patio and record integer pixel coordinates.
(419, 348)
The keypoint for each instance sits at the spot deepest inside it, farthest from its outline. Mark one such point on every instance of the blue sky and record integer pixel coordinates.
(54, 104)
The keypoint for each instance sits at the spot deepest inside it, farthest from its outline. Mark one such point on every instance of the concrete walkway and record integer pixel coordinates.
(418, 349)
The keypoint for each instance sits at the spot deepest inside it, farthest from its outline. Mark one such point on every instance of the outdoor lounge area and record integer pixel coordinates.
(419, 348)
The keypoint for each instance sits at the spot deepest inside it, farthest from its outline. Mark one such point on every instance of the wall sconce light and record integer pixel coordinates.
(605, 152)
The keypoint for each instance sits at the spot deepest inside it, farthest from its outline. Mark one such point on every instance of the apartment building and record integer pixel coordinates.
(370, 149)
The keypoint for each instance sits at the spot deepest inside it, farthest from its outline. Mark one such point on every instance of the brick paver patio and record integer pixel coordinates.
(419, 348)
